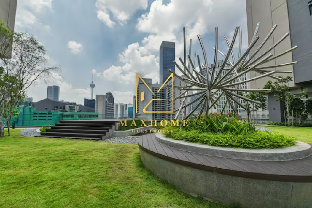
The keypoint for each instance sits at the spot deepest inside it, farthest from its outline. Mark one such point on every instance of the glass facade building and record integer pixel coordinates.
(166, 58)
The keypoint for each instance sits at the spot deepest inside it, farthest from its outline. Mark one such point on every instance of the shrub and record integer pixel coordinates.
(218, 123)
(252, 140)
(44, 128)
(291, 124)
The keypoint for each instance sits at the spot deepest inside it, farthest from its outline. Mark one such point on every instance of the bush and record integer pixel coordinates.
(44, 128)
(295, 124)
(252, 140)
(218, 123)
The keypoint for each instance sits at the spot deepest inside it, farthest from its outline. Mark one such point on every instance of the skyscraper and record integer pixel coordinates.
(104, 107)
(53, 92)
(8, 12)
(166, 58)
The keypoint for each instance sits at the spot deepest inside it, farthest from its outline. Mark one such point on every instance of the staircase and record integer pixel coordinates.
(82, 129)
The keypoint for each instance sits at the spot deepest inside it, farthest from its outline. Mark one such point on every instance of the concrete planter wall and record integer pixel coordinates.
(228, 189)
(132, 132)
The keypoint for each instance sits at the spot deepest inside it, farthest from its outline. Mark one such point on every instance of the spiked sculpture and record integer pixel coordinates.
(211, 88)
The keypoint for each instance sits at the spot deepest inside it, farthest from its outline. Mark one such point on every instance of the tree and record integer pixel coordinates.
(298, 107)
(257, 96)
(281, 89)
(309, 107)
(28, 64)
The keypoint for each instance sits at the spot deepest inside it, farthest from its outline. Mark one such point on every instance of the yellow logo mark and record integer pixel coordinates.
(142, 95)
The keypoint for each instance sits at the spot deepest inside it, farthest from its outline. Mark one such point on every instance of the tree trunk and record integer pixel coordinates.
(292, 117)
(1, 127)
(9, 125)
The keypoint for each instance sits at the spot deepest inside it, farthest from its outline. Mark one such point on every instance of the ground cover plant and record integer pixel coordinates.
(41, 172)
(44, 128)
(227, 131)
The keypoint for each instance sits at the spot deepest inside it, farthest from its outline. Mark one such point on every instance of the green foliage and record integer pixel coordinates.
(218, 123)
(309, 107)
(291, 124)
(281, 89)
(257, 96)
(132, 124)
(253, 140)
(44, 128)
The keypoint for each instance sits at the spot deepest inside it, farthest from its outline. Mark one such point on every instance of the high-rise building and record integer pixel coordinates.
(7, 15)
(110, 97)
(130, 110)
(8, 12)
(120, 110)
(53, 92)
(166, 60)
(89, 103)
(104, 107)
(295, 18)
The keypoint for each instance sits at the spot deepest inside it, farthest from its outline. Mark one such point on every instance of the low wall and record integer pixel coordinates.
(132, 132)
(298, 151)
(227, 189)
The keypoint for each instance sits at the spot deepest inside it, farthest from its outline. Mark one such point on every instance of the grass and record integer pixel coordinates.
(303, 134)
(41, 172)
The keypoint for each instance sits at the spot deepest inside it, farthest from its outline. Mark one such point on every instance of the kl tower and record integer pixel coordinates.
(92, 85)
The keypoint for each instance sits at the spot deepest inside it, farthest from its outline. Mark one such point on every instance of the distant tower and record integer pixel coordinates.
(92, 85)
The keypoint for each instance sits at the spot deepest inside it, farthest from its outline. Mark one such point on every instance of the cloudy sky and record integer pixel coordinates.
(114, 39)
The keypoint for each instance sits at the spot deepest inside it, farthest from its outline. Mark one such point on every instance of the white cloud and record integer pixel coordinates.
(93, 71)
(135, 59)
(104, 17)
(123, 97)
(198, 16)
(120, 9)
(75, 47)
(27, 11)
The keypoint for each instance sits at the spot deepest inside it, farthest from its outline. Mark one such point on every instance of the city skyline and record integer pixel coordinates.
(112, 48)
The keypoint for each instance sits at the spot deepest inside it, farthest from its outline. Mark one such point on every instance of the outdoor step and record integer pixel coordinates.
(82, 127)
(83, 131)
(86, 138)
(72, 135)
(83, 124)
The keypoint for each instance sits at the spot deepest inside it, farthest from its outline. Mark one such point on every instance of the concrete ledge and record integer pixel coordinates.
(299, 151)
(132, 132)
(230, 190)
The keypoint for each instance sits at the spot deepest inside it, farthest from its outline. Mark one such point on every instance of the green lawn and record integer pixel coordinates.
(41, 172)
(303, 134)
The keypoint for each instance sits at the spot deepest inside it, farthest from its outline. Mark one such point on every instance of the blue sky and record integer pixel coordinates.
(114, 39)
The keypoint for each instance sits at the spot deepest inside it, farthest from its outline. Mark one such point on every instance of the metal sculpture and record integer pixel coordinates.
(210, 87)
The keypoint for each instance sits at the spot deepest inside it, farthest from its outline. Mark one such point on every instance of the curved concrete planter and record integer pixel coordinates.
(229, 189)
(299, 151)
